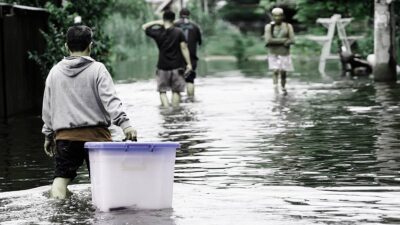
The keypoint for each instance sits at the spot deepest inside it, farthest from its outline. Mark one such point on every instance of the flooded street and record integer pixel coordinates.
(327, 153)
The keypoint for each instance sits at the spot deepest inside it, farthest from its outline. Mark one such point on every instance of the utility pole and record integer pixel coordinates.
(384, 41)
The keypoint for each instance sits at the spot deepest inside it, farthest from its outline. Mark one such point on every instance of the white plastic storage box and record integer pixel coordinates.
(131, 174)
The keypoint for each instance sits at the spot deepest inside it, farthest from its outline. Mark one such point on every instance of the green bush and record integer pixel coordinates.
(124, 27)
(305, 47)
(310, 10)
(242, 12)
(365, 46)
(128, 38)
(207, 22)
(93, 13)
(212, 44)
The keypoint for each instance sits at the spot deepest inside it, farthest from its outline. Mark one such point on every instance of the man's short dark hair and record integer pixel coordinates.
(184, 12)
(169, 16)
(79, 38)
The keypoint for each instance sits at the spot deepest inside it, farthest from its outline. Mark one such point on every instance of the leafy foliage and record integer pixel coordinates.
(93, 13)
(124, 26)
(309, 10)
(131, 8)
(242, 10)
(206, 21)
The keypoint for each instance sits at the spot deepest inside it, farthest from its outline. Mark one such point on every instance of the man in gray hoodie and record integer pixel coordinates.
(79, 105)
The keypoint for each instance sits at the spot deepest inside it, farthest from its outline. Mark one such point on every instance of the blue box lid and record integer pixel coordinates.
(130, 145)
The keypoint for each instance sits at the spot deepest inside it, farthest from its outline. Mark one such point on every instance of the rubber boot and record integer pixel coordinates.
(190, 89)
(164, 99)
(176, 99)
(59, 188)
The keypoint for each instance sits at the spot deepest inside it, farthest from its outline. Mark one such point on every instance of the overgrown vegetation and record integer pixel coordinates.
(304, 13)
(362, 13)
(242, 10)
(118, 34)
(223, 38)
(124, 27)
(93, 13)
(309, 10)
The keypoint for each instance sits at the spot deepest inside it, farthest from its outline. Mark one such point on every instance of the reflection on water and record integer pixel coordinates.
(199, 204)
(22, 163)
(145, 69)
(319, 135)
(241, 134)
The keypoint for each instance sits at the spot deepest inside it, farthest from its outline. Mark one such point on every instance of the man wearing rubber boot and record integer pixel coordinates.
(279, 36)
(193, 37)
(79, 105)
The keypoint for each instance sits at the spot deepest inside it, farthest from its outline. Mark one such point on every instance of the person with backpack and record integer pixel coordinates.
(194, 38)
(279, 36)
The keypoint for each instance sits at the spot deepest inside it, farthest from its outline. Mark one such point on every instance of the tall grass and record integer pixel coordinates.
(129, 40)
(219, 38)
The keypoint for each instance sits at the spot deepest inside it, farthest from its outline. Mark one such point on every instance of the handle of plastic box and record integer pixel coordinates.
(148, 146)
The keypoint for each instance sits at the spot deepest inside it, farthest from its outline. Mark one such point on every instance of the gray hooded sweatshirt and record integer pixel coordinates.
(80, 92)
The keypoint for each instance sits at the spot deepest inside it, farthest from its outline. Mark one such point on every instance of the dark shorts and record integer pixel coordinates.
(170, 80)
(192, 75)
(69, 157)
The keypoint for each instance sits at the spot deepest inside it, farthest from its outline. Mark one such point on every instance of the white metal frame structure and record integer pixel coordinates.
(336, 21)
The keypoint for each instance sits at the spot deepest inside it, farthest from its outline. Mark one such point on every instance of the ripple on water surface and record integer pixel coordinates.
(197, 205)
(254, 155)
(241, 131)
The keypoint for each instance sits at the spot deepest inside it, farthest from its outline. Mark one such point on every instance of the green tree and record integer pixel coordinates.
(93, 13)
(310, 10)
(206, 21)
(124, 23)
(131, 8)
(242, 10)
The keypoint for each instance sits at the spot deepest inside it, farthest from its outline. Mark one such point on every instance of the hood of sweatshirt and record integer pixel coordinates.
(73, 65)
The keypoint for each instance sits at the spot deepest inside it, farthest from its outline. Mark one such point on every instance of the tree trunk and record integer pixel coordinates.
(205, 2)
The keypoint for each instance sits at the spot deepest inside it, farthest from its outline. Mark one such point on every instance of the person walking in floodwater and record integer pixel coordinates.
(79, 105)
(279, 36)
(172, 59)
(193, 37)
